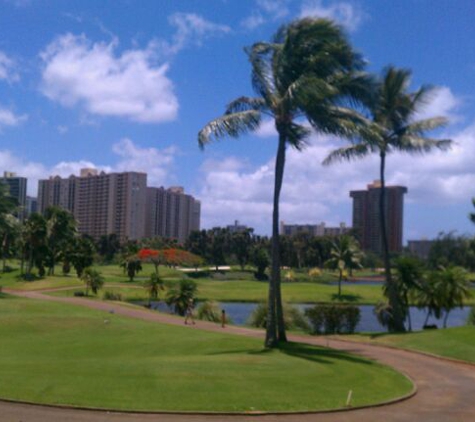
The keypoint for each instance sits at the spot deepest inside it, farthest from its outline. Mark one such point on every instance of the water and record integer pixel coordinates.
(239, 313)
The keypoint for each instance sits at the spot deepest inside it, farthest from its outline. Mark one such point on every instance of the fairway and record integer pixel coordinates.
(57, 354)
(456, 343)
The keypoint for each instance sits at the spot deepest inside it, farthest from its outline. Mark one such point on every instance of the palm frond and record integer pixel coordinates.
(414, 144)
(348, 153)
(425, 125)
(297, 135)
(244, 104)
(232, 125)
(262, 79)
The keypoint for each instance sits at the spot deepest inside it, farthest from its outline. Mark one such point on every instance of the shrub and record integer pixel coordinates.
(332, 319)
(79, 293)
(108, 295)
(210, 311)
(293, 317)
(314, 273)
(471, 316)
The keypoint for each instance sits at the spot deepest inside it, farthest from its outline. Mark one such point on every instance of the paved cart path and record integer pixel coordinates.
(446, 390)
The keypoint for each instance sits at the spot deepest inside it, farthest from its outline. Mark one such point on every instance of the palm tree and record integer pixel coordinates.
(92, 279)
(153, 287)
(345, 253)
(308, 71)
(393, 128)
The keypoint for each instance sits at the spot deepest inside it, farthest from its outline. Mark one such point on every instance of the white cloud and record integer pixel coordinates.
(347, 14)
(443, 104)
(266, 129)
(312, 193)
(7, 68)
(8, 118)
(265, 11)
(157, 163)
(190, 29)
(62, 129)
(128, 85)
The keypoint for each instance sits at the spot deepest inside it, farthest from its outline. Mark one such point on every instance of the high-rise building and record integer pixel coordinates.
(366, 217)
(101, 203)
(31, 205)
(317, 230)
(171, 213)
(236, 227)
(17, 190)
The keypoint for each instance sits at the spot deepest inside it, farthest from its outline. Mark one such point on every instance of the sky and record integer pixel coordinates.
(125, 85)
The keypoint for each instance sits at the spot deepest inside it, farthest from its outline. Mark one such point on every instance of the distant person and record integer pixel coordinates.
(189, 312)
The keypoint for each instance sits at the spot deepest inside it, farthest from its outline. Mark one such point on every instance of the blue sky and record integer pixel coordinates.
(126, 85)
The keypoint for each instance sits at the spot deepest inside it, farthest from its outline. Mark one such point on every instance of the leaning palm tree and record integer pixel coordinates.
(394, 127)
(309, 71)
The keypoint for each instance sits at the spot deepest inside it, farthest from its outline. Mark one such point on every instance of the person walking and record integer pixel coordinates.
(189, 312)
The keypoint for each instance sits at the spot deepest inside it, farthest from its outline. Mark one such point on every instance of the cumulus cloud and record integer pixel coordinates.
(346, 14)
(190, 29)
(8, 118)
(92, 74)
(7, 68)
(265, 11)
(157, 163)
(443, 103)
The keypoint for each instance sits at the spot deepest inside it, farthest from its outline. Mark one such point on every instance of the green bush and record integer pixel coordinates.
(332, 319)
(210, 311)
(293, 317)
(108, 295)
(79, 293)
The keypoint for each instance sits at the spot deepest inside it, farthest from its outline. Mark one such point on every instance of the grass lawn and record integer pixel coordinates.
(458, 343)
(58, 354)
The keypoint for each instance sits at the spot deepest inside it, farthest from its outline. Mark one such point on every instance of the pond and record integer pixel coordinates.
(239, 313)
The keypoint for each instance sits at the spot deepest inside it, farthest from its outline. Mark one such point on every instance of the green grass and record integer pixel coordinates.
(457, 343)
(58, 354)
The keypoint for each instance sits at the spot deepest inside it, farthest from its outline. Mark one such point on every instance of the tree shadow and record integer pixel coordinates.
(345, 297)
(321, 354)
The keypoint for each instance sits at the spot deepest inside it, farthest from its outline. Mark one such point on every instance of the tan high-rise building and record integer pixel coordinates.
(121, 203)
(101, 203)
(366, 217)
(171, 213)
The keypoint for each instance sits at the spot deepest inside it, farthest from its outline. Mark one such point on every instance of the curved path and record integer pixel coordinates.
(446, 390)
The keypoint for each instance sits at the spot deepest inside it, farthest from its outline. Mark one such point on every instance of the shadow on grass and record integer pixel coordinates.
(320, 354)
(345, 298)
(303, 351)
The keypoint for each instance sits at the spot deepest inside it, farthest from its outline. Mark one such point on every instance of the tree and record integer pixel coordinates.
(306, 72)
(453, 289)
(394, 127)
(345, 253)
(409, 276)
(81, 254)
(34, 242)
(107, 246)
(180, 297)
(240, 245)
(260, 259)
(60, 231)
(132, 265)
(153, 286)
(92, 279)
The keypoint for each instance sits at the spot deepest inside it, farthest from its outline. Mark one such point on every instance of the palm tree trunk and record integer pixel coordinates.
(275, 330)
(408, 307)
(397, 323)
(446, 317)
(339, 283)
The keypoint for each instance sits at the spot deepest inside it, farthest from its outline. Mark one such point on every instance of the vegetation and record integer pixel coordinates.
(92, 279)
(393, 128)
(153, 286)
(293, 318)
(332, 319)
(345, 254)
(180, 296)
(307, 71)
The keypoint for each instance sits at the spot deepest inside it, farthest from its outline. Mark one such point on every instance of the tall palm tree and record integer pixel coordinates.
(309, 71)
(394, 127)
(471, 216)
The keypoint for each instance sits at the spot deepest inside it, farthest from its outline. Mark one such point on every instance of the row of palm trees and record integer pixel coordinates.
(309, 72)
